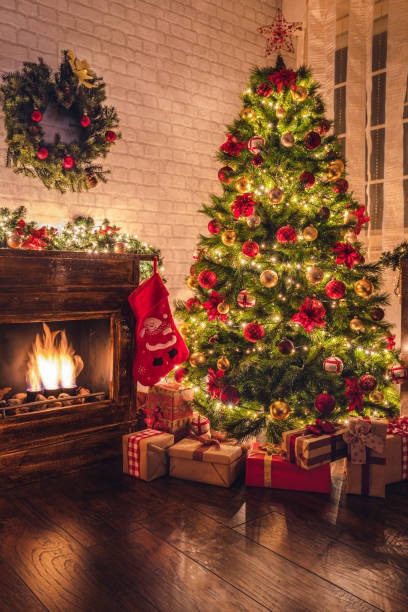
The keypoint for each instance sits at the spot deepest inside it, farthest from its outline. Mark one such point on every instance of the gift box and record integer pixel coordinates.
(145, 453)
(396, 450)
(169, 408)
(204, 460)
(267, 466)
(315, 445)
(365, 463)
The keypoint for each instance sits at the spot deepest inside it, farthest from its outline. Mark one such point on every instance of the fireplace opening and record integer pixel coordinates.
(54, 364)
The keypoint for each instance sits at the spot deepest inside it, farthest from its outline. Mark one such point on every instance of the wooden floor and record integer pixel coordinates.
(99, 541)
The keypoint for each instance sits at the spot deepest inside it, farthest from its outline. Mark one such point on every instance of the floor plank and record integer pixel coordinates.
(14, 594)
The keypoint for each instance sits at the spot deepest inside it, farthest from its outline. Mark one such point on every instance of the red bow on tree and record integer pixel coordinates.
(346, 254)
(391, 342)
(211, 307)
(36, 241)
(362, 218)
(283, 78)
(321, 427)
(108, 230)
(243, 206)
(354, 393)
(213, 382)
(233, 146)
(310, 314)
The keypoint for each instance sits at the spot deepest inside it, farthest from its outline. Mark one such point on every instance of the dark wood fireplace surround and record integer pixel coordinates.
(58, 286)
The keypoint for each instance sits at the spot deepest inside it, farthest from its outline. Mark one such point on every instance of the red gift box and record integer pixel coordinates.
(167, 407)
(267, 467)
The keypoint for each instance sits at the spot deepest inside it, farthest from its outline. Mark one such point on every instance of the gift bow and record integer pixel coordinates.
(268, 449)
(321, 427)
(398, 426)
(204, 441)
(359, 436)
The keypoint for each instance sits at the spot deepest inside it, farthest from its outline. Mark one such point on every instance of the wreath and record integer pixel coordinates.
(74, 92)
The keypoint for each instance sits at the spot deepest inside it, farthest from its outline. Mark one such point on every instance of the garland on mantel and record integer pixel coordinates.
(81, 234)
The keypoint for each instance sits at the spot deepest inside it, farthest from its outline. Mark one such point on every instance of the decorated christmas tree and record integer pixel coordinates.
(286, 324)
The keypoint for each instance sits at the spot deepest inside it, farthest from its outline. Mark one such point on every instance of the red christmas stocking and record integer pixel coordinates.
(159, 345)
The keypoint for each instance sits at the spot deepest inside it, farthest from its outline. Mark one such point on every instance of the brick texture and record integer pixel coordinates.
(174, 69)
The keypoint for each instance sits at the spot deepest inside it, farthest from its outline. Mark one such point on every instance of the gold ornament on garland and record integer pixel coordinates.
(314, 275)
(228, 237)
(364, 288)
(280, 410)
(269, 278)
(275, 195)
(14, 241)
(299, 94)
(281, 112)
(197, 359)
(243, 185)
(376, 396)
(223, 364)
(248, 114)
(119, 248)
(335, 169)
(357, 325)
(310, 233)
(223, 308)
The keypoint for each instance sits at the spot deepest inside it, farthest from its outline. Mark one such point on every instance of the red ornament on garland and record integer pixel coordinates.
(286, 234)
(207, 279)
(399, 374)
(257, 160)
(36, 116)
(254, 332)
(335, 289)
(367, 383)
(42, 153)
(193, 304)
(110, 136)
(85, 121)
(324, 126)
(226, 174)
(264, 89)
(307, 179)
(312, 140)
(180, 374)
(340, 186)
(230, 395)
(214, 226)
(250, 248)
(68, 163)
(325, 403)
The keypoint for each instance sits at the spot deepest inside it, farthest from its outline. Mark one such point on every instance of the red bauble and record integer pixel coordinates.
(324, 126)
(257, 160)
(307, 179)
(312, 140)
(335, 289)
(230, 395)
(180, 374)
(399, 374)
(325, 403)
(286, 234)
(286, 346)
(333, 365)
(193, 304)
(110, 136)
(214, 226)
(323, 212)
(226, 174)
(367, 383)
(85, 121)
(68, 163)
(36, 115)
(377, 313)
(254, 332)
(192, 270)
(250, 248)
(340, 186)
(42, 153)
(207, 279)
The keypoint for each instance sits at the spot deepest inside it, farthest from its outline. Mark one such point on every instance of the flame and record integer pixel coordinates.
(52, 363)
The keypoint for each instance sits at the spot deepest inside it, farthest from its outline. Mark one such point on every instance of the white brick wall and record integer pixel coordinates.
(174, 70)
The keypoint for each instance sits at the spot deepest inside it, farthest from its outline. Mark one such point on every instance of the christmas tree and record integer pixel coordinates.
(286, 324)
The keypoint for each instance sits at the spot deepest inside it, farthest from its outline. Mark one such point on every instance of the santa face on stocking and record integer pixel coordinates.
(158, 338)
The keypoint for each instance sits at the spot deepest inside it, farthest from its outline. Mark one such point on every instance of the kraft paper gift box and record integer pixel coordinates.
(169, 408)
(365, 463)
(206, 461)
(315, 445)
(145, 453)
(396, 450)
(267, 467)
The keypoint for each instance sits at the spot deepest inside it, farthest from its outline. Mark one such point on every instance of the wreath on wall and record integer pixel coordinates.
(74, 92)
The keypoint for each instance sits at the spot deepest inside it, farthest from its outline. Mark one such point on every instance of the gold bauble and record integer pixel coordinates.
(269, 278)
(14, 241)
(314, 275)
(228, 237)
(335, 169)
(350, 236)
(281, 112)
(350, 218)
(310, 233)
(279, 410)
(243, 185)
(197, 359)
(223, 308)
(356, 325)
(343, 303)
(299, 93)
(364, 288)
(223, 364)
(248, 114)
(119, 248)
(376, 396)
(184, 329)
(288, 139)
(275, 195)
(253, 221)
(191, 282)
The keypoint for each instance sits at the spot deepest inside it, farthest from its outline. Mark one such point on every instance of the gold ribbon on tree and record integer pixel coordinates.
(81, 69)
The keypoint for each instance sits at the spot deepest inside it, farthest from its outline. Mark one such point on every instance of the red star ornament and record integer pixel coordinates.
(279, 34)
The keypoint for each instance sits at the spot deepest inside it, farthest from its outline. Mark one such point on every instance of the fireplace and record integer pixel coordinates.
(66, 350)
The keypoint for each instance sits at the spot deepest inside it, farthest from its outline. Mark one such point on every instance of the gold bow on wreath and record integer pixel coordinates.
(82, 70)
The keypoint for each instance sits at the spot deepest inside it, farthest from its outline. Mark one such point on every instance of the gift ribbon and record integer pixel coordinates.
(399, 427)
(359, 438)
(206, 443)
(268, 450)
(134, 450)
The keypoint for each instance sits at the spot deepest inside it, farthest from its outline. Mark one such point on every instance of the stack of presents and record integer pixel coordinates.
(180, 442)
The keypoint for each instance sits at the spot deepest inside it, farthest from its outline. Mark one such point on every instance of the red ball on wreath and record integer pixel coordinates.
(254, 332)
(226, 174)
(68, 163)
(307, 179)
(250, 248)
(110, 136)
(180, 374)
(367, 383)
(335, 289)
(325, 403)
(36, 115)
(286, 234)
(340, 186)
(312, 140)
(324, 126)
(42, 153)
(214, 226)
(207, 279)
(257, 160)
(230, 395)
(193, 304)
(399, 374)
(85, 121)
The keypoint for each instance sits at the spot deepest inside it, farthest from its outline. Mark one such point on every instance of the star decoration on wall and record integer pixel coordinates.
(279, 34)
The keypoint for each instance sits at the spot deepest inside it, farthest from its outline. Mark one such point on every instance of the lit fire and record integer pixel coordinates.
(52, 363)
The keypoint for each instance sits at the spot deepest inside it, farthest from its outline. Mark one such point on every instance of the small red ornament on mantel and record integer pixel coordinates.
(254, 332)
(42, 153)
(325, 403)
(110, 136)
(68, 163)
(36, 115)
(85, 121)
